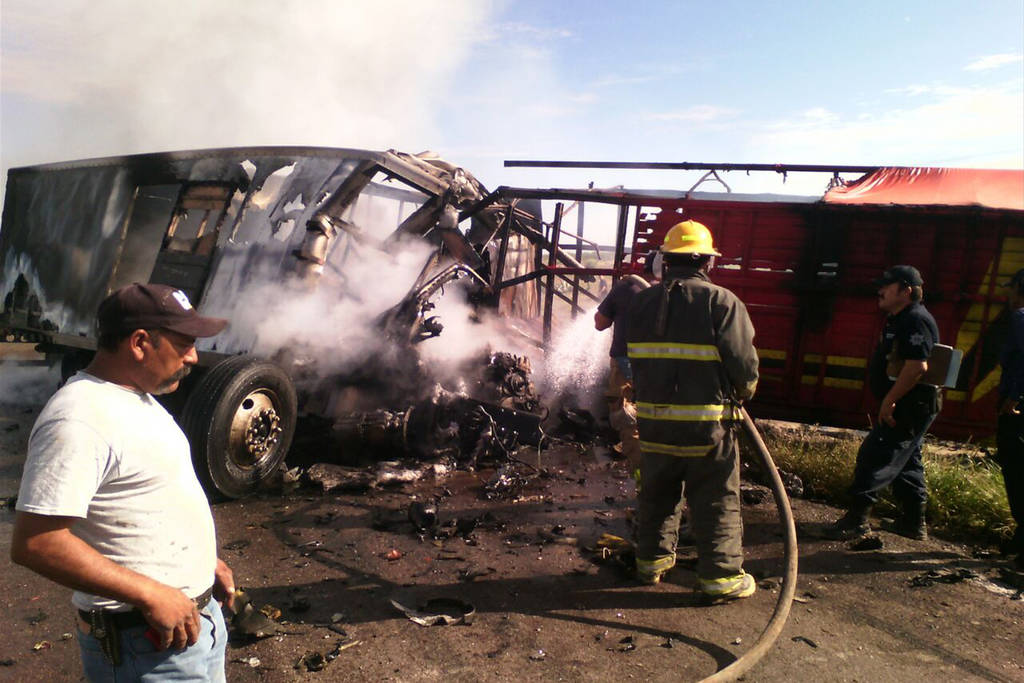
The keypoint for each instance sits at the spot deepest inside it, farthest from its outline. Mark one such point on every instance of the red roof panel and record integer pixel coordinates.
(991, 188)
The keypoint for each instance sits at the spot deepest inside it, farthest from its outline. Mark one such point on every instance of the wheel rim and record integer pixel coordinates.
(255, 429)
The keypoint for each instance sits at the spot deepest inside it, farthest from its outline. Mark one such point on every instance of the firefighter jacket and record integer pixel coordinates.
(691, 348)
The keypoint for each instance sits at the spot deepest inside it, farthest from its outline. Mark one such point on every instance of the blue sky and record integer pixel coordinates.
(480, 81)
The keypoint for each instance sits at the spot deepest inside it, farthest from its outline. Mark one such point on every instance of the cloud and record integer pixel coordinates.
(969, 127)
(700, 113)
(994, 61)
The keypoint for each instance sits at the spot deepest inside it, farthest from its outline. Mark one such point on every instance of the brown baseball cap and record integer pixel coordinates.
(140, 306)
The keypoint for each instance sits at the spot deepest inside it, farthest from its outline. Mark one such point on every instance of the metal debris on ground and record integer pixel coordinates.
(869, 541)
(251, 622)
(330, 478)
(556, 535)
(42, 645)
(312, 661)
(392, 555)
(804, 639)
(423, 515)
(615, 551)
(627, 644)
(252, 662)
(576, 424)
(508, 481)
(438, 612)
(538, 656)
(752, 494)
(949, 575)
(340, 647)
(469, 574)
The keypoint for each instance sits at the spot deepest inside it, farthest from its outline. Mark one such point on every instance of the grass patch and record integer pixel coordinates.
(966, 494)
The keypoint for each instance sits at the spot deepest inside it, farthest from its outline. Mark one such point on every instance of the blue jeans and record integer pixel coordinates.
(140, 661)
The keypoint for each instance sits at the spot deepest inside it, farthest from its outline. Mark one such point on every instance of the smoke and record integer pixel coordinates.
(88, 78)
(335, 323)
(27, 386)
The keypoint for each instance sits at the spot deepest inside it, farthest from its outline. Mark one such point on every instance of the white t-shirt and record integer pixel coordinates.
(116, 459)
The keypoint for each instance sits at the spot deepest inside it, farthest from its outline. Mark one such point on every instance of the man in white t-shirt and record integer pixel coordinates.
(110, 505)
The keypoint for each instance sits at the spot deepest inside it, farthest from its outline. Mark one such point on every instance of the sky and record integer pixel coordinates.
(919, 83)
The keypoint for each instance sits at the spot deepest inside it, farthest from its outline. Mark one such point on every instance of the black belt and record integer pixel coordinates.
(133, 618)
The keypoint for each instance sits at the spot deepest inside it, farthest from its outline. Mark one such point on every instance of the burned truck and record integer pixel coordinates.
(327, 262)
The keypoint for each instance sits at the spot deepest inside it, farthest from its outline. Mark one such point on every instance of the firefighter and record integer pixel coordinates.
(891, 452)
(691, 348)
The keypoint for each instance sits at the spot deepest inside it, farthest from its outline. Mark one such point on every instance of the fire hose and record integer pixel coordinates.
(785, 601)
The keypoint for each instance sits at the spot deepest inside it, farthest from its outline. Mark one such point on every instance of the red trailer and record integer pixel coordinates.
(804, 268)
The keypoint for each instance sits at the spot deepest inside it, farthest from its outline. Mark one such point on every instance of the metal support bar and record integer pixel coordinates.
(579, 290)
(499, 270)
(480, 205)
(519, 280)
(696, 166)
(579, 256)
(549, 293)
(620, 241)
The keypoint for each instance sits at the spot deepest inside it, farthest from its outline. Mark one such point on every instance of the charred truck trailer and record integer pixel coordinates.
(218, 224)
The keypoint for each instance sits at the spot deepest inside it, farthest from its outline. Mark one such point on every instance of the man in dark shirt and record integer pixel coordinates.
(611, 312)
(1010, 432)
(891, 452)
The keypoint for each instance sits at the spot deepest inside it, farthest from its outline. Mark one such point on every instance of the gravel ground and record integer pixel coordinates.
(544, 609)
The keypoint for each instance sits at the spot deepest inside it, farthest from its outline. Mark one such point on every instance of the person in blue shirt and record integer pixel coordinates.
(1010, 430)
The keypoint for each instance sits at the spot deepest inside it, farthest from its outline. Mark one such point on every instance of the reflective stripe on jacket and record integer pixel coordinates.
(686, 372)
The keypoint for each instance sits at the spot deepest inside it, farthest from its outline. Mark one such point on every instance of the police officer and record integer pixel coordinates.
(1010, 433)
(690, 345)
(891, 452)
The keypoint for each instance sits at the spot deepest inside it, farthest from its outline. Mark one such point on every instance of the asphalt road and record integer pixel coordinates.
(544, 610)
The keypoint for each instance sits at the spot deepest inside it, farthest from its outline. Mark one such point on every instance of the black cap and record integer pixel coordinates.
(908, 275)
(1016, 280)
(139, 306)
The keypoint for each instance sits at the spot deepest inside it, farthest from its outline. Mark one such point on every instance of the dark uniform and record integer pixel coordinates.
(1010, 433)
(892, 454)
(690, 345)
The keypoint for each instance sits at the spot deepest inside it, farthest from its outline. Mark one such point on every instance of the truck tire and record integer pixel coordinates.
(239, 419)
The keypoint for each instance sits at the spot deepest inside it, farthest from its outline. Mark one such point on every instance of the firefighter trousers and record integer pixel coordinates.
(711, 486)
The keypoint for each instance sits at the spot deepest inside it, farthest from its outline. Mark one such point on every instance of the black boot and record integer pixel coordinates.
(911, 524)
(851, 525)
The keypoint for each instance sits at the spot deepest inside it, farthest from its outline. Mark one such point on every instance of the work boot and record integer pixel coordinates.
(911, 524)
(650, 572)
(716, 591)
(851, 525)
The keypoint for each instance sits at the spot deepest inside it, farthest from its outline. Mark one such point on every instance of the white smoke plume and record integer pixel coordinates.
(85, 78)
(27, 386)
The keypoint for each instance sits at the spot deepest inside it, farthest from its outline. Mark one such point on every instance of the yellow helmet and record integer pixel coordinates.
(689, 237)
